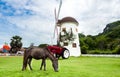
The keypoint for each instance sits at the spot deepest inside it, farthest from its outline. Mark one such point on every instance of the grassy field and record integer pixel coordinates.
(72, 67)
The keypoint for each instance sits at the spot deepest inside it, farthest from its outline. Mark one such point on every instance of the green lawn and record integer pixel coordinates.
(72, 67)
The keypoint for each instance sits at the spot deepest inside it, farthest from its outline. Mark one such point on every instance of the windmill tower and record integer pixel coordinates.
(68, 33)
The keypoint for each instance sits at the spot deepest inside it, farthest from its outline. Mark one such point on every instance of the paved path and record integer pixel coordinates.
(102, 55)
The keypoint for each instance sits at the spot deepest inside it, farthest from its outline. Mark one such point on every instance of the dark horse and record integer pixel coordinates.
(39, 53)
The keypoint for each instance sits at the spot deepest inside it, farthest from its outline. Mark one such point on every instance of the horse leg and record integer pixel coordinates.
(24, 64)
(43, 63)
(23, 68)
(29, 62)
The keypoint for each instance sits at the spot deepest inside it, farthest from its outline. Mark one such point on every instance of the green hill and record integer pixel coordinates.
(112, 30)
(107, 42)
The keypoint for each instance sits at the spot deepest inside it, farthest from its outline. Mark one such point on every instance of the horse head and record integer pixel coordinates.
(55, 65)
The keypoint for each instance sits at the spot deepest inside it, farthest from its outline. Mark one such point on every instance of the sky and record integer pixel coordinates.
(34, 20)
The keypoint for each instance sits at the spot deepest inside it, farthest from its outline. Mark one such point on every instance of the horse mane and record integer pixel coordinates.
(49, 51)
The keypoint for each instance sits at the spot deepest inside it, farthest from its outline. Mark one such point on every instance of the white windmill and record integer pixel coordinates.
(67, 35)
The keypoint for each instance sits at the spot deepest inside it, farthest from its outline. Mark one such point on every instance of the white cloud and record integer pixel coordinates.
(97, 15)
(34, 29)
(92, 15)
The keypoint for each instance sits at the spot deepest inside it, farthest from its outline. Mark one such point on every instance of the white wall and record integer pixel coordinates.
(74, 51)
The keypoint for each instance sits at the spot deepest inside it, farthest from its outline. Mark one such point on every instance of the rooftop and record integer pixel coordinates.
(67, 19)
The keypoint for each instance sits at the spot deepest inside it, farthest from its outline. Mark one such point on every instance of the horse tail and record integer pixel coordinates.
(25, 52)
(24, 62)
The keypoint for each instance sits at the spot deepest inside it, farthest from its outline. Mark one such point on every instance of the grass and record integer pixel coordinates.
(72, 67)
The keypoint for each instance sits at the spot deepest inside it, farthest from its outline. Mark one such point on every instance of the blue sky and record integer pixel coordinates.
(33, 20)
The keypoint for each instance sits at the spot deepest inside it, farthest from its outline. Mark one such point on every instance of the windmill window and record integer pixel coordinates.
(64, 29)
(74, 45)
(65, 44)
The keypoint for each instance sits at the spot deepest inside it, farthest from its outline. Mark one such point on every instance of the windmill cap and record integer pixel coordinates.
(67, 19)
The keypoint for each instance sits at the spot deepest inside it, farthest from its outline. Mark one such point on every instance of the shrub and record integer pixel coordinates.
(100, 52)
(94, 52)
(84, 49)
(42, 45)
(117, 50)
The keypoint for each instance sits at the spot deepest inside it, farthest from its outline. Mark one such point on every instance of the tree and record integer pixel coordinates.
(15, 44)
(90, 42)
(101, 42)
(81, 35)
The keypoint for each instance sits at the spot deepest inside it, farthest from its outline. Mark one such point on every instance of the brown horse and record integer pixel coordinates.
(39, 53)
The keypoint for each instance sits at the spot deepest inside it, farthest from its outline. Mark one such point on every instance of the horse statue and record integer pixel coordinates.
(39, 53)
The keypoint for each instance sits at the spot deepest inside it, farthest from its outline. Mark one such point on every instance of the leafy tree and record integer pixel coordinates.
(114, 33)
(84, 49)
(90, 42)
(15, 44)
(101, 42)
(81, 35)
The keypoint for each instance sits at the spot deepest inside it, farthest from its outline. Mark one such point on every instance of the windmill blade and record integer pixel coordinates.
(59, 9)
(56, 18)
(55, 23)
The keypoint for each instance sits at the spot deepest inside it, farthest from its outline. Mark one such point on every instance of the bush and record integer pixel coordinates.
(117, 50)
(84, 49)
(42, 45)
(100, 52)
(94, 52)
